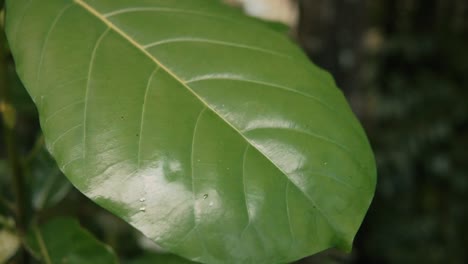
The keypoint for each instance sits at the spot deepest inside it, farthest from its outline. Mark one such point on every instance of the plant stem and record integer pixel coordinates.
(18, 182)
(42, 246)
(9, 120)
(14, 161)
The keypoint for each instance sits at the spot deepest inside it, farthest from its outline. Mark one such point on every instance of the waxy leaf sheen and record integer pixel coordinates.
(213, 135)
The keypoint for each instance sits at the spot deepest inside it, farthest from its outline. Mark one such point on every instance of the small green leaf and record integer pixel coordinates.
(207, 131)
(64, 241)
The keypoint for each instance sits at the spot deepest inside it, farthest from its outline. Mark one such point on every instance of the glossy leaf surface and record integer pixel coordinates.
(204, 129)
(63, 240)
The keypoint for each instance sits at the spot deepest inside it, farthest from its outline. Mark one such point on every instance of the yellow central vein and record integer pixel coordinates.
(111, 25)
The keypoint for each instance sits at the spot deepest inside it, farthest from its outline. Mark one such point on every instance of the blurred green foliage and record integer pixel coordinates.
(418, 125)
(406, 75)
(62, 240)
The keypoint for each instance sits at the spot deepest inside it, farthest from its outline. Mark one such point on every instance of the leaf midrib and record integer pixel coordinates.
(140, 47)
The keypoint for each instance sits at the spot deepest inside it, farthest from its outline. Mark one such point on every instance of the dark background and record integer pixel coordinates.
(403, 65)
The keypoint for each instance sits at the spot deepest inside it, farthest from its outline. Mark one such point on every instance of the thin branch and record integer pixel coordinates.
(42, 245)
(9, 121)
(14, 161)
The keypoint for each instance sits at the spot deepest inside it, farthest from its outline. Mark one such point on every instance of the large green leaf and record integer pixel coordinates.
(62, 240)
(204, 129)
